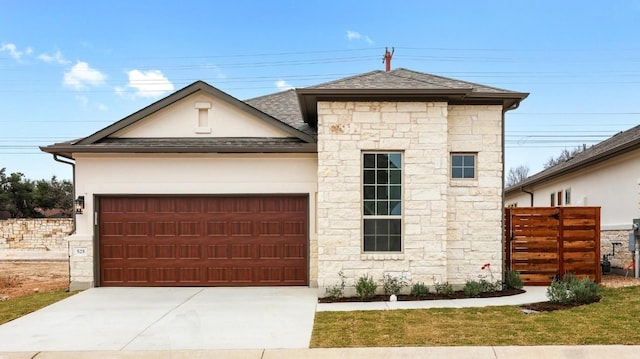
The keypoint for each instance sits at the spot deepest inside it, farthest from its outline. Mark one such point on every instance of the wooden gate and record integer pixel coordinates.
(542, 242)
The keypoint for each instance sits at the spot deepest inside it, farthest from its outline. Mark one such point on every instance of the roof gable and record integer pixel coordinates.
(200, 115)
(229, 102)
(616, 145)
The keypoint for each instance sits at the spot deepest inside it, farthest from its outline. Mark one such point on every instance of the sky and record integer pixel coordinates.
(70, 68)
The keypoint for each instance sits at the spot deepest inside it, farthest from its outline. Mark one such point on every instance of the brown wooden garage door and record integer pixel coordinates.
(203, 241)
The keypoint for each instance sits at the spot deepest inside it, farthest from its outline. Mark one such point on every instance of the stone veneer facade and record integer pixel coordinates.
(450, 227)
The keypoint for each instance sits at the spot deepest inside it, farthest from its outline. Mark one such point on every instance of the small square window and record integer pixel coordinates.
(463, 166)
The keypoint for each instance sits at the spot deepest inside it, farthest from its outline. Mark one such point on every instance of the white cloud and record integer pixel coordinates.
(81, 75)
(57, 57)
(13, 51)
(147, 83)
(354, 35)
(102, 107)
(283, 85)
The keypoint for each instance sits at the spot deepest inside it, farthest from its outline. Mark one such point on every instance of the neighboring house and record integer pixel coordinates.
(605, 175)
(386, 172)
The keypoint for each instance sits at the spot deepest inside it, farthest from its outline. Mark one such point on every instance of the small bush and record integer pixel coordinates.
(443, 288)
(392, 285)
(419, 290)
(472, 288)
(585, 291)
(558, 293)
(572, 290)
(365, 287)
(337, 291)
(512, 279)
(570, 279)
(487, 286)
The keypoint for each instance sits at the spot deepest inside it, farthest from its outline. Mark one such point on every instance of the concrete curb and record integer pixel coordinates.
(507, 352)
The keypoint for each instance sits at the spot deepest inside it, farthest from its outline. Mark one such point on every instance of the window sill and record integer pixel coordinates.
(463, 183)
(393, 256)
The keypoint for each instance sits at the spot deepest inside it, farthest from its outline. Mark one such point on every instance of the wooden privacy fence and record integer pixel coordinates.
(542, 242)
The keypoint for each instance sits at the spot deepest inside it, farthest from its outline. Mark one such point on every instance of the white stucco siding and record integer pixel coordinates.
(174, 174)
(182, 118)
(612, 185)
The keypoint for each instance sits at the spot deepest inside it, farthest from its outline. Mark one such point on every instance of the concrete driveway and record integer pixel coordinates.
(167, 319)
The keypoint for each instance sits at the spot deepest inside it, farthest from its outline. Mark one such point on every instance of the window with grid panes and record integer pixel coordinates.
(463, 165)
(382, 202)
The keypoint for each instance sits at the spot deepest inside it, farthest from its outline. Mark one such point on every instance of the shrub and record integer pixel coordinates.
(571, 290)
(392, 285)
(584, 291)
(443, 288)
(337, 291)
(570, 279)
(472, 288)
(365, 287)
(512, 279)
(486, 286)
(558, 293)
(419, 290)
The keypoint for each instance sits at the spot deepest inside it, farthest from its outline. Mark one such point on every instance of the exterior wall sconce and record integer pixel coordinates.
(79, 204)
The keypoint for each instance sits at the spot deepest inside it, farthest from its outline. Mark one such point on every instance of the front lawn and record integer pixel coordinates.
(613, 320)
(17, 307)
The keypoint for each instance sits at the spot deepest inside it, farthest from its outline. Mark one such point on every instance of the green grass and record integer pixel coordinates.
(613, 320)
(17, 307)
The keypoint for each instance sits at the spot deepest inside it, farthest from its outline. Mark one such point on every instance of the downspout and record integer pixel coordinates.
(502, 241)
(529, 193)
(73, 194)
(73, 197)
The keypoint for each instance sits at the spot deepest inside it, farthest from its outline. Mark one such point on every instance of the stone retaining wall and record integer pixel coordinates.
(46, 234)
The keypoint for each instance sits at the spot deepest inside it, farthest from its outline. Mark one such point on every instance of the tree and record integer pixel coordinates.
(517, 175)
(54, 194)
(17, 195)
(564, 155)
(22, 197)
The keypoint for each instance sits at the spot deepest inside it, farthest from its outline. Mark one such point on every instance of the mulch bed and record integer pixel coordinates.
(430, 296)
(550, 307)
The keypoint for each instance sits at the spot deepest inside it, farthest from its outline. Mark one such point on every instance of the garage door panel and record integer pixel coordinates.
(209, 241)
(189, 229)
(191, 251)
(218, 228)
(164, 251)
(137, 251)
(294, 251)
(218, 251)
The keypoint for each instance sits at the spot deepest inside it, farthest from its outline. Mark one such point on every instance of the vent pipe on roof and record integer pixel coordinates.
(387, 57)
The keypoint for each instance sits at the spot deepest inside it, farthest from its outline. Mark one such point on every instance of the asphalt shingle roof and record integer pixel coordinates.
(403, 79)
(283, 106)
(618, 143)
